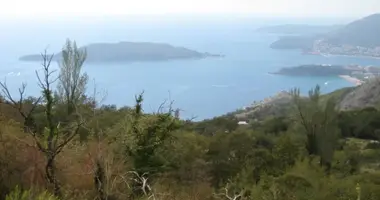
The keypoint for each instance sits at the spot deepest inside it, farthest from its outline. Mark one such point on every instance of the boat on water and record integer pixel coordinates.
(305, 52)
(326, 55)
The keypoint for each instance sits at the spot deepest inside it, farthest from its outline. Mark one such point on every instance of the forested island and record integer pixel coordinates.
(315, 70)
(329, 70)
(131, 52)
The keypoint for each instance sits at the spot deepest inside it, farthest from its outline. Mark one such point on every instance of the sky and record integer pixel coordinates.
(296, 8)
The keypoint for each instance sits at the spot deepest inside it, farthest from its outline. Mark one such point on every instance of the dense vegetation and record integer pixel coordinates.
(65, 145)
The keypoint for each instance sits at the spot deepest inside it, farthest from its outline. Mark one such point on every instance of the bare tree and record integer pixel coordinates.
(26, 113)
(226, 194)
(72, 82)
(55, 137)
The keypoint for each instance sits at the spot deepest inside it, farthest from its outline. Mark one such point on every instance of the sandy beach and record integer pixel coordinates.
(351, 79)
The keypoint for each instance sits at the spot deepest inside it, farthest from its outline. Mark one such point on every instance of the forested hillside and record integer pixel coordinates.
(67, 145)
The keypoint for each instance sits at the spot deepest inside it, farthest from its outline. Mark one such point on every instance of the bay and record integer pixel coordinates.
(202, 88)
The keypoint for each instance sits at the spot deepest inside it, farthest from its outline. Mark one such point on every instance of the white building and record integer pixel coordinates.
(242, 123)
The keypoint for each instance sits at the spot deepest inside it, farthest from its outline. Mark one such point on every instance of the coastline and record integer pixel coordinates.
(344, 55)
(356, 56)
(351, 79)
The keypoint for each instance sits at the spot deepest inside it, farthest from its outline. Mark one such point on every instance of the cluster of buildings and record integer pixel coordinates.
(322, 47)
(362, 74)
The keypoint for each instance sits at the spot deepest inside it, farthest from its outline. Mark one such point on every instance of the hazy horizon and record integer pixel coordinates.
(26, 9)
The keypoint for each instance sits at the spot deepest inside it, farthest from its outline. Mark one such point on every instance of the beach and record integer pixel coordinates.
(351, 79)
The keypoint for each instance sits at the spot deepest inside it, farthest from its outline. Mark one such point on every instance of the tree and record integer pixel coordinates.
(72, 83)
(319, 124)
(55, 137)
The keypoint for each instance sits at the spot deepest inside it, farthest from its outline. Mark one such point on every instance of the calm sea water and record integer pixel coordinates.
(203, 88)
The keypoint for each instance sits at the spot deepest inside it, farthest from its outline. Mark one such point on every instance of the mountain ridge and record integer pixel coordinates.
(363, 32)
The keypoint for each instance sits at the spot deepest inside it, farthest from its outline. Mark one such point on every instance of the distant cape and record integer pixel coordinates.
(363, 32)
(131, 52)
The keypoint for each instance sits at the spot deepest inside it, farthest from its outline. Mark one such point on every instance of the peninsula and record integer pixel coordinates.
(131, 52)
(355, 74)
(315, 70)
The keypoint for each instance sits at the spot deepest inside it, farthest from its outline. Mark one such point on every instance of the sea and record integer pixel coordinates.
(201, 89)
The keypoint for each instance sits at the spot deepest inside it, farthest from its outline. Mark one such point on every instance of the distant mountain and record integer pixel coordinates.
(131, 51)
(298, 29)
(293, 42)
(364, 32)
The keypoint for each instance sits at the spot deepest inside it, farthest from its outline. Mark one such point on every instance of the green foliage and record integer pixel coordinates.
(360, 123)
(213, 126)
(144, 135)
(18, 194)
(319, 124)
(276, 125)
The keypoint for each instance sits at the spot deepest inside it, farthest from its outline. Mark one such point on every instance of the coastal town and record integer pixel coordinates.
(323, 47)
(360, 74)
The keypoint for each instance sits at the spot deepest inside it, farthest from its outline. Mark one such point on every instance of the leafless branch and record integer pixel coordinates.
(227, 195)
(143, 181)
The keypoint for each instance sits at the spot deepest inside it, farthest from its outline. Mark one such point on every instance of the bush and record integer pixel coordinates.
(373, 145)
(18, 194)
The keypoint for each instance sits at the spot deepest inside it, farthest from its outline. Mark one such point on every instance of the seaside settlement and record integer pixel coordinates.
(323, 47)
(360, 74)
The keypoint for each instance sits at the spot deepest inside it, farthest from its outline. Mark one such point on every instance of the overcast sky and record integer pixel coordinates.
(28, 8)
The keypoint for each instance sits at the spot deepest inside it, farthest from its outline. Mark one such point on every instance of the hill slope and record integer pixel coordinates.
(363, 32)
(350, 98)
(365, 95)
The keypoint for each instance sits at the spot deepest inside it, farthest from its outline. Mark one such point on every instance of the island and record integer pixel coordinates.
(131, 52)
(353, 73)
(358, 38)
(315, 70)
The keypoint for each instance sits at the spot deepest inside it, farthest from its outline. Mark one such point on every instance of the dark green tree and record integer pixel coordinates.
(319, 124)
